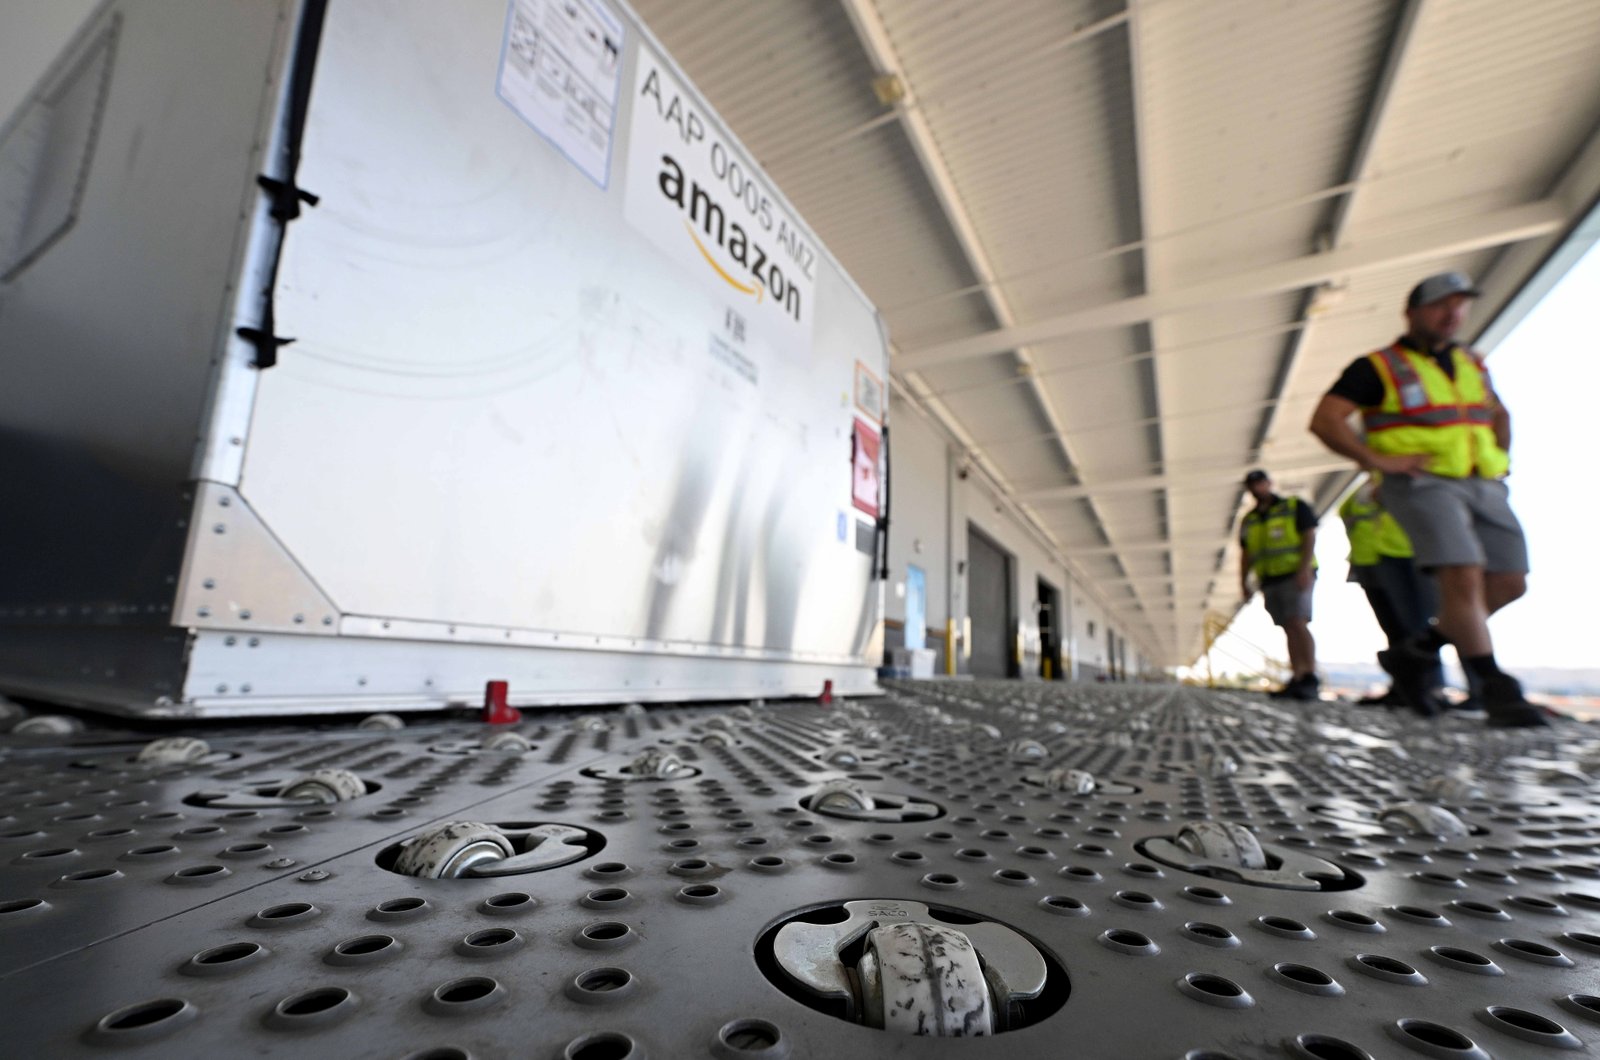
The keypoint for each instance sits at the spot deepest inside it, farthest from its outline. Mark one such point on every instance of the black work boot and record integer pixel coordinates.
(1415, 671)
(1502, 698)
(1306, 689)
(1389, 697)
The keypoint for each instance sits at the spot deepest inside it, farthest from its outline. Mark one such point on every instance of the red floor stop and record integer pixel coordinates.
(496, 709)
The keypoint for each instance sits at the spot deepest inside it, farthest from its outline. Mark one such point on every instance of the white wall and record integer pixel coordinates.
(1030, 560)
(918, 478)
(1088, 636)
(933, 506)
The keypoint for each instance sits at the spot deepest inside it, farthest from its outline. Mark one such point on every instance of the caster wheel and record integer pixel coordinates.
(656, 764)
(842, 796)
(174, 750)
(452, 849)
(924, 979)
(1027, 752)
(48, 725)
(1223, 843)
(325, 785)
(510, 743)
(1073, 781)
(1424, 818)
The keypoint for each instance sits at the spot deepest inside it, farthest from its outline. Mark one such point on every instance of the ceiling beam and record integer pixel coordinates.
(885, 60)
(1000, 490)
(1130, 547)
(1331, 235)
(1151, 250)
(1493, 229)
(1333, 232)
(1182, 594)
(1524, 274)
(1219, 477)
(1168, 596)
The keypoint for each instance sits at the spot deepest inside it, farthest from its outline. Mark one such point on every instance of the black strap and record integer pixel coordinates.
(285, 195)
(883, 517)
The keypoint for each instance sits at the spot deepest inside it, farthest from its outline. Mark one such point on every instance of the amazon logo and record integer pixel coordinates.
(718, 239)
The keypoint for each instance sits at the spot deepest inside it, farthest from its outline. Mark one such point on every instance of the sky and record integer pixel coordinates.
(1547, 374)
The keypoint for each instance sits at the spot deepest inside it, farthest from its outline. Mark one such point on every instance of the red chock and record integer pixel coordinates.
(496, 709)
(827, 693)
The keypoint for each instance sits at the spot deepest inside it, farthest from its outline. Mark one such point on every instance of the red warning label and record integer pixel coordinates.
(864, 491)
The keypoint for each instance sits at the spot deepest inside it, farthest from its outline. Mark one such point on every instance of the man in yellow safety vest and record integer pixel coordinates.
(1403, 599)
(1277, 543)
(1441, 439)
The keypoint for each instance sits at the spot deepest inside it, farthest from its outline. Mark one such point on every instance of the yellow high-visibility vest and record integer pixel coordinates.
(1425, 411)
(1373, 532)
(1272, 540)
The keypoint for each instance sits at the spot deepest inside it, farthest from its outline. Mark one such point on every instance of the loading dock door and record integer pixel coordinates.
(1049, 631)
(990, 606)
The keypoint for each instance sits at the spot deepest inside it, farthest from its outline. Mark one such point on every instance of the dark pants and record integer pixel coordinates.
(1404, 599)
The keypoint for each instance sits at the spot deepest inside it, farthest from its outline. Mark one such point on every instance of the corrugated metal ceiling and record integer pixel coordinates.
(1191, 214)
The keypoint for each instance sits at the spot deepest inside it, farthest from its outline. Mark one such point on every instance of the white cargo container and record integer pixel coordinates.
(357, 354)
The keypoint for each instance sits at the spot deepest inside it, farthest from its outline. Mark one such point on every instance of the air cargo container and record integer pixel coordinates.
(356, 354)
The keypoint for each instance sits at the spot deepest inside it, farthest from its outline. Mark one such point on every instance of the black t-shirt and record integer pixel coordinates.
(1304, 519)
(1362, 385)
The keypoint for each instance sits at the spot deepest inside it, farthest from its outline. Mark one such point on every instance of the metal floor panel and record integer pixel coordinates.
(116, 876)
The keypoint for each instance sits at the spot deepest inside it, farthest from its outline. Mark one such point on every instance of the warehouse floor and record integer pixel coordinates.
(1062, 867)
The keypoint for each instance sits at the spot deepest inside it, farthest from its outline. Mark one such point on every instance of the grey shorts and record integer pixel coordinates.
(1457, 522)
(1286, 600)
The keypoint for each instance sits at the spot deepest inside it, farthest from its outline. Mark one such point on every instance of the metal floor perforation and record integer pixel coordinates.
(1134, 871)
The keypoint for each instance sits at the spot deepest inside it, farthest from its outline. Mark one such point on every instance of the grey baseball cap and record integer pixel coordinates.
(1440, 286)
